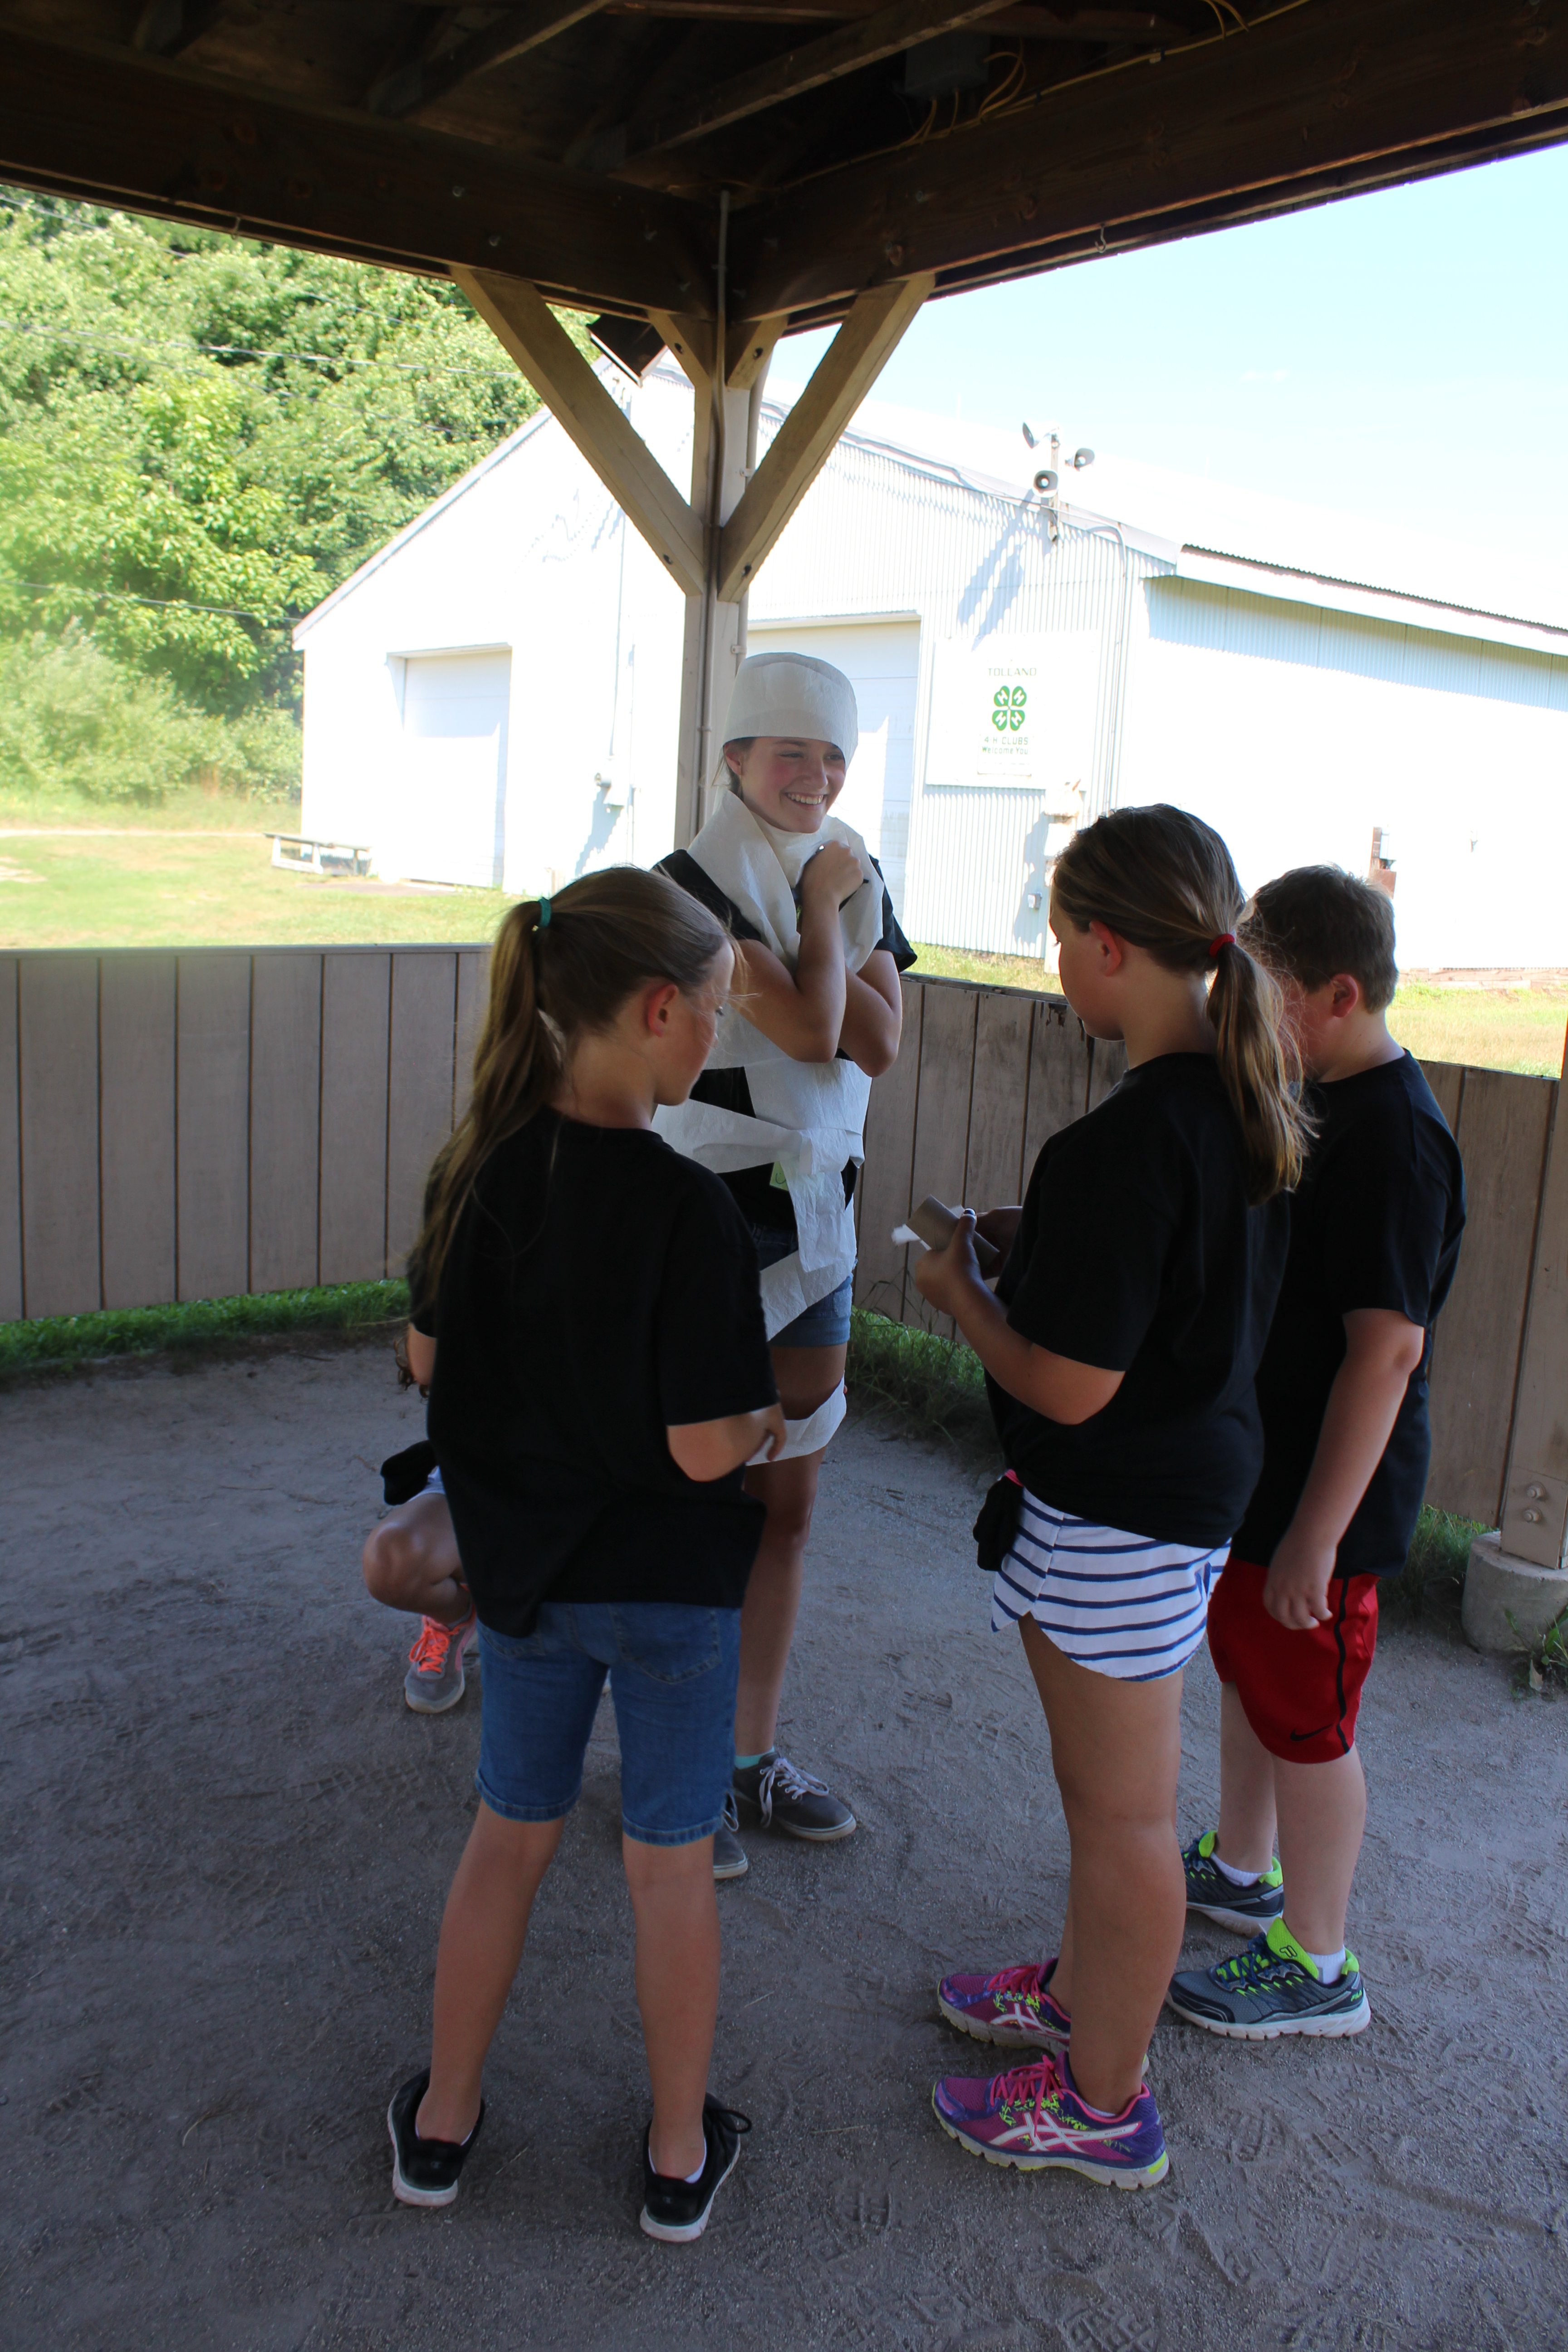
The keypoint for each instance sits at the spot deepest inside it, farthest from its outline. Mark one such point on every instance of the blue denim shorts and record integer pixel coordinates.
(672, 1672)
(826, 1323)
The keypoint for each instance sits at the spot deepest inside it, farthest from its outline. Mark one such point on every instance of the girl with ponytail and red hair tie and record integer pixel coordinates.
(1120, 1350)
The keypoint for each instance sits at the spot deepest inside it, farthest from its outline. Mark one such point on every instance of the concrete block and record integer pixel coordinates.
(1497, 1585)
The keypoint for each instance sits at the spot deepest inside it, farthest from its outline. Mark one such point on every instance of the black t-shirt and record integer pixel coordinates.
(1375, 1223)
(598, 1287)
(1137, 1251)
(762, 1202)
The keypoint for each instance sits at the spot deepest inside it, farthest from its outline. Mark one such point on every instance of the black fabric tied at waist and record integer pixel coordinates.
(997, 1525)
(402, 1476)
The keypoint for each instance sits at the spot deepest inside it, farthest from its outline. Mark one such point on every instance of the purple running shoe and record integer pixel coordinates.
(1013, 2008)
(1034, 2119)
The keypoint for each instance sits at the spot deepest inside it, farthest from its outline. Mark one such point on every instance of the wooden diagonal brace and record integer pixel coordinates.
(523, 322)
(804, 441)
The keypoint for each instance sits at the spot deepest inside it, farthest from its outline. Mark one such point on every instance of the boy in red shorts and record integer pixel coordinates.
(1374, 1237)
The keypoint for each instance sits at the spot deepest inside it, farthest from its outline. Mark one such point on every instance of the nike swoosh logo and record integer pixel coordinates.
(1312, 1735)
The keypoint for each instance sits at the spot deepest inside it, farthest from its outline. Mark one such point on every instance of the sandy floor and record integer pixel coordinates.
(227, 1843)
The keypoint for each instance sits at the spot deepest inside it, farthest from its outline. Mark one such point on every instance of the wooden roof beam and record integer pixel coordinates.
(425, 80)
(1337, 88)
(804, 441)
(883, 35)
(165, 27)
(94, 121)
(525, 326)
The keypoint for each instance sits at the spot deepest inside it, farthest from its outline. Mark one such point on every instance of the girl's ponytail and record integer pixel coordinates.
(1164, 881)
(560, 967)
(1261, 1068)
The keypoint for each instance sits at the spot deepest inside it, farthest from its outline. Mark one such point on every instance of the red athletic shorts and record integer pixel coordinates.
(1299, 1691)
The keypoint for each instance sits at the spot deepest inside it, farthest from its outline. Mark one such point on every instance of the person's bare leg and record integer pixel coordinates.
(482, 1932)
(411, 1562)
(1246, 1770)
(677, 1916)
(807, 1377)
(1323, 1815)
(1116, 1751)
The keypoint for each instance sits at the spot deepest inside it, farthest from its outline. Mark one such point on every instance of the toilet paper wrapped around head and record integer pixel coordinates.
(794, 694)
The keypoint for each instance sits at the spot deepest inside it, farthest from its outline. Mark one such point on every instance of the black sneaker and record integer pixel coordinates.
(424, 2171)
(1244, 1908)
(677, 2210)
(729, 1854)
(785, 1798)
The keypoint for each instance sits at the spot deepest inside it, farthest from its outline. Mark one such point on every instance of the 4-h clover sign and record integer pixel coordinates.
(1008, 707)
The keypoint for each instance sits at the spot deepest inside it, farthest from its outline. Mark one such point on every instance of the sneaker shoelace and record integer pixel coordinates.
(731, 1812)
(1257, 1966)
(1030, 1978)
(787, 1780)
(1033, 2088)
(429, 1652)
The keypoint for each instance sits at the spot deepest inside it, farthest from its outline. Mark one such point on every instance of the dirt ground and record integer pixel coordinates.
(227, 1843)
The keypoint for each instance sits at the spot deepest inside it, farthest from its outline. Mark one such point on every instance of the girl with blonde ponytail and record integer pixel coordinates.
(1139, 1284)
(586, 1317)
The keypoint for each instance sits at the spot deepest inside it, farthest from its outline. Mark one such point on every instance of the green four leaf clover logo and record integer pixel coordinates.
(1008, 708)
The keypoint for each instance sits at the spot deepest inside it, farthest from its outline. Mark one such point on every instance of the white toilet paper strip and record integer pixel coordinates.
(810, 1435)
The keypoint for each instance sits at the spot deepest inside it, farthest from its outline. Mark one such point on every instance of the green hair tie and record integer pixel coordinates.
(544, 914)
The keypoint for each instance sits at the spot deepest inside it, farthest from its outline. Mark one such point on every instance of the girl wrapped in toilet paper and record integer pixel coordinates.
(779, 1113)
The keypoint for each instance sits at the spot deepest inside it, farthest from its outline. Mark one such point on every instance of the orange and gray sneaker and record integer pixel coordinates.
(435, 1678)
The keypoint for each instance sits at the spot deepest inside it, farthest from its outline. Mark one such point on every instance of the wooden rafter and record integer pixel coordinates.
(166, 27)
(804, 442)
(88, 120)
(1330, 88)
(423, 82)
(883, 35)
(529, 330)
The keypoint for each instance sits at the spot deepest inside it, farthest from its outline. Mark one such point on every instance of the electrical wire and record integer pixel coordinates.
(246, 350)
(126, 597)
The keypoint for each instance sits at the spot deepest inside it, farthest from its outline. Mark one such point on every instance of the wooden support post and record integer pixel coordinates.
(723, 448)
(845, 375)
(1535, 1485)
(524, 323)
(714, 546)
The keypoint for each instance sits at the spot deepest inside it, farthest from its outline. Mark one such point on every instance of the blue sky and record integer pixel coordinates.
(1402, 356)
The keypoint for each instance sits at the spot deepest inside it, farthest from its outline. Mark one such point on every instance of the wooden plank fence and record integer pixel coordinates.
(192, 1125)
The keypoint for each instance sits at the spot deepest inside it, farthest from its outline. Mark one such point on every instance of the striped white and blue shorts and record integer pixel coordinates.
(1124, 1605)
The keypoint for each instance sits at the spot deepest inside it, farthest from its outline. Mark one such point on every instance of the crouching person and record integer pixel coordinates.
(600, 1379)
(411, 1562)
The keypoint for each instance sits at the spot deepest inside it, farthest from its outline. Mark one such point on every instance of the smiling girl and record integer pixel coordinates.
(779, 1114)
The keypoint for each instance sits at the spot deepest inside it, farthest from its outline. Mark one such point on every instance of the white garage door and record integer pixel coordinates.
(454, 771)
(881, 661)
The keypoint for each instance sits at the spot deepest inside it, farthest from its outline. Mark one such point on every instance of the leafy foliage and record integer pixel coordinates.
(199, 439)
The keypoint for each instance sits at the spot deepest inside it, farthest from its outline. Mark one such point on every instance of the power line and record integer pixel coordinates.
(249, 351)
(128, 596)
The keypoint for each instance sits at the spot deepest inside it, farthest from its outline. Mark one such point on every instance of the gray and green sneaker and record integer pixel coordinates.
(785, 1798)
(1244, 1908)
(1271, 1988)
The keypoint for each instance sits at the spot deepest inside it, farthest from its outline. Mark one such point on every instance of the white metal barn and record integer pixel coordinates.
(493, 699)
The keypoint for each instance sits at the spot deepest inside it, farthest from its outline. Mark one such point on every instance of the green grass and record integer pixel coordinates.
(197, 872)
(1488, 1026)
(166, 887)
(1544, 1667)
(54, 1343)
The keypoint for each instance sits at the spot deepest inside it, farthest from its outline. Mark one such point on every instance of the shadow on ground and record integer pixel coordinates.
(227, 1846)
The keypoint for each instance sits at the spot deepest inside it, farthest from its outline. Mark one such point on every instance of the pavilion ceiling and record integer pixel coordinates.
(585, 147)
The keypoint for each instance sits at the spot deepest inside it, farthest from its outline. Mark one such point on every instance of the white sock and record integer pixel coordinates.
(691, 2179)
(1331, 1966)
(1237, 1877)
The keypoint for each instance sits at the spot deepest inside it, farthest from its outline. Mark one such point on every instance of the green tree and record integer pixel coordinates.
(200, 438)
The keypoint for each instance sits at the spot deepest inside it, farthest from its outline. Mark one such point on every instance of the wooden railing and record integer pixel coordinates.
(195, 1125)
